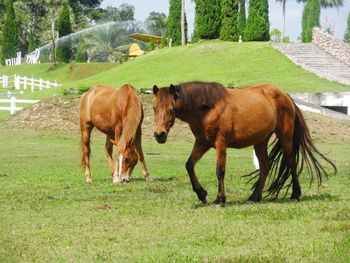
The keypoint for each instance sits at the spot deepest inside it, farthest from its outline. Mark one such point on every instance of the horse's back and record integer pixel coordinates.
(104, 106)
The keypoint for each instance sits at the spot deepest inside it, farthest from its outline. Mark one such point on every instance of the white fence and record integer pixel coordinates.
(13, 104)
(14, 61)
(25, 83)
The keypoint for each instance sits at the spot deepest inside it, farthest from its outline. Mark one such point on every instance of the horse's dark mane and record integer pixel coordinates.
(195, 95)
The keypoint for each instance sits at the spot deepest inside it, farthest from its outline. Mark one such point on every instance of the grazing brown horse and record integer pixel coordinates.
(117, 113)
(236, 118)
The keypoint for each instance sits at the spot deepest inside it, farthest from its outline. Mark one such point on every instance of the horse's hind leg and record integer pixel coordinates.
(287, 143)
(109, 152)
(86, 129)
(261, 153)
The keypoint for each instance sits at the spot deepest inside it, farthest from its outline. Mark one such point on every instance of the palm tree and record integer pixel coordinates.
(324, 4)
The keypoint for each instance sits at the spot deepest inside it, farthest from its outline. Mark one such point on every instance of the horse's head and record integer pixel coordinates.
(126, 163)
(164, 110)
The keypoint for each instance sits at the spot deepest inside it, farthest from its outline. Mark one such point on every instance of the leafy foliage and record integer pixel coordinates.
(64, 52)
(31, 44)
(207, 19)
(257, 27)
(311, 19)
(275, 35)
(229, 24)
(174, 22)
(347, 32)
(10, 33)
(156, 24)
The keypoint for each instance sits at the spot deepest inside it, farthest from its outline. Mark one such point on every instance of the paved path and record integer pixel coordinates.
(317, 61)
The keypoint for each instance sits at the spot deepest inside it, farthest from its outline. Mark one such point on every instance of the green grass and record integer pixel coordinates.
(49, 214)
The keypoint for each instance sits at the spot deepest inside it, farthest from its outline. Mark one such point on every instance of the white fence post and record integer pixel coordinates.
(25, 83)
(40, 84)
(13, 105)
(32, 84)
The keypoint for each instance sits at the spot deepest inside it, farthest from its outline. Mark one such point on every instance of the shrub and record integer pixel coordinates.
(257, 27)
(275, 35)
(208, 19)
(229, 22)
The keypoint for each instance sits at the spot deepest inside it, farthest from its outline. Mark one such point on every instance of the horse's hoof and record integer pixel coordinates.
(149, 179)
(89, 180)
(126, 180)
(295, 199)
(117, 180)
(202, 195)
(218, 203)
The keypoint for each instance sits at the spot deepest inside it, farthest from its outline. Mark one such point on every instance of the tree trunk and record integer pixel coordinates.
(183, 39)
(53, 51)
(284, 19)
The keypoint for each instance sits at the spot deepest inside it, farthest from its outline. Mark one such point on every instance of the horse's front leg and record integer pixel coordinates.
(138, 145)
(199, 149)
(220, 170)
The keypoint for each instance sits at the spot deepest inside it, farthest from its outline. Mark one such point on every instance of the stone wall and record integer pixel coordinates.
(335, 47)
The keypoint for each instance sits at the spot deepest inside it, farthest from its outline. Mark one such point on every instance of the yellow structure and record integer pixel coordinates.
(146, 38)
(135, 50)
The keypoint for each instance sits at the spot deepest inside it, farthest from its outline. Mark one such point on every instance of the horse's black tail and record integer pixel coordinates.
(304, 153)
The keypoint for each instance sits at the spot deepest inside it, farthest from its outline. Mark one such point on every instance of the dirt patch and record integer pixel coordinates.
(61, 114)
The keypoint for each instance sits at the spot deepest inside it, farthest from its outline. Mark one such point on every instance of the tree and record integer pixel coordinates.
(257, 27)
(156, 24)
(275, 35)
(126, 12)
(64, 27)
(207, 19)
(241, 18)
(10, 33)
(311, 19)
(229, 21)
(347, 32)
(174, 22)
(31, 44)
(52, 8)
(324, 4)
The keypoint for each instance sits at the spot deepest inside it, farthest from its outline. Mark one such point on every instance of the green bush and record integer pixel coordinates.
(163, 42)
(311, 19)
(229, 21)
(208, 19)
(81, 55)
(174, 22)
(151, 46)
(275, 35)
(257, 27)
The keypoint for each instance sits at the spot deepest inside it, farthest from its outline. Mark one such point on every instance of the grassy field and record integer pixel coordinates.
(49, 214)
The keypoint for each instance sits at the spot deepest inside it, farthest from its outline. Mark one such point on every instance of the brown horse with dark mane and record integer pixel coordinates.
(118, 113)
(236, 118)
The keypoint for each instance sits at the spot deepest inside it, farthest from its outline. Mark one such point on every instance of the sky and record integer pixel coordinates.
(335, 17)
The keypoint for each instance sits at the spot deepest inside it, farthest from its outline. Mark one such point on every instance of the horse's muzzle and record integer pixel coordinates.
(160, 137)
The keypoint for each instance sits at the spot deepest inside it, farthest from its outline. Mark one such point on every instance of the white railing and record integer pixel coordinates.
(13, 104)
(14, 61)
(27, 83)
(33, 58)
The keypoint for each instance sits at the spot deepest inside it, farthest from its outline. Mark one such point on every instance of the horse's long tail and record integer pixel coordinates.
(304, 153)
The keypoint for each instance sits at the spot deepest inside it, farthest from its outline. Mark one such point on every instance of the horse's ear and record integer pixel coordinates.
(155, 89)
(175, 90)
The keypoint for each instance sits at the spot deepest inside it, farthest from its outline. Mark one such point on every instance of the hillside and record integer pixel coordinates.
(233, 64)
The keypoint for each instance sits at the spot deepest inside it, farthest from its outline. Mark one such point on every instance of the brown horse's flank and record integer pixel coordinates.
(118, 113)
(224, 118)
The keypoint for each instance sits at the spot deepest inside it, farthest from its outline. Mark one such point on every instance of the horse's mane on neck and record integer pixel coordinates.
(132, 118)
(200, 95)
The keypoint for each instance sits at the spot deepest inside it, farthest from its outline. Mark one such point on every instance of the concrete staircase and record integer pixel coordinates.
(317, 61)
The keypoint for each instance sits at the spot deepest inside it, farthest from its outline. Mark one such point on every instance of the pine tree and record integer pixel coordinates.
(311, 19)
(64, 51)
(257, 27)
(229, 22)
(174, 22)
(10, 33)
(31, 43)
(241, 18)
(208, 19)
(347, 32)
